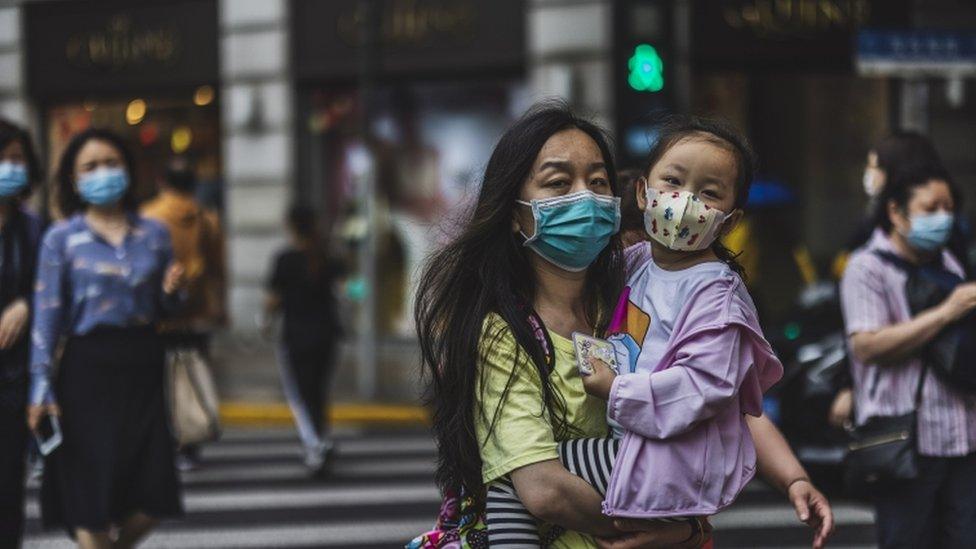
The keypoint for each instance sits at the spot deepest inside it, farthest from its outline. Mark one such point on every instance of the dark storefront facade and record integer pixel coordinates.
(147, 70)
(444, 79)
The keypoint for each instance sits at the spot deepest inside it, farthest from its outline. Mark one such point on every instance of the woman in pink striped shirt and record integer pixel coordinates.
(915, 217)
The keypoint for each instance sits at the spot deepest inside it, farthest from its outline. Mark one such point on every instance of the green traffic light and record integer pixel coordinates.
(646, 69)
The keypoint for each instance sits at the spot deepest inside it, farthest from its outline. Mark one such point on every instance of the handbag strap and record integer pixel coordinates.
(921, 384)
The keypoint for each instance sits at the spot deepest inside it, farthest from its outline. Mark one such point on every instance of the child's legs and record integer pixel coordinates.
(590, 459)
(511, 526)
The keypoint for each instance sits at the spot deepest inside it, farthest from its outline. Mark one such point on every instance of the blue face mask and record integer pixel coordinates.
(13, 179)
(103, 186)
(930, 232)
(572, 230)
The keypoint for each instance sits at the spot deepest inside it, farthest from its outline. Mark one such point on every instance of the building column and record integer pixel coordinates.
(258, 144)
(13, 101)
(570, 45)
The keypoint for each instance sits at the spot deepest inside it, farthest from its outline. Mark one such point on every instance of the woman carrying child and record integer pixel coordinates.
(539, 260)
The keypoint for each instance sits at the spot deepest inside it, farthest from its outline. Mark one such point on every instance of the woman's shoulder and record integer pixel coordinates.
(59, 231)
(497, 341)
(151, 226)
(864, 261)
(495, 328)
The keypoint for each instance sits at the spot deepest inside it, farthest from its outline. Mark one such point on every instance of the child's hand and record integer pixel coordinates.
(812, 508)
(600, 381)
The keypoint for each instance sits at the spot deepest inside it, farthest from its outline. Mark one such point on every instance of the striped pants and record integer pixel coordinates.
(509, 523)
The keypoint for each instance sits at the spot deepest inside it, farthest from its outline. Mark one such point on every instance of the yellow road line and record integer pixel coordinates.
(273, 413)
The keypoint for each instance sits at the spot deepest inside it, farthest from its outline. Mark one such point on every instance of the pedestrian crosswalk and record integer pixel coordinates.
(253, 491)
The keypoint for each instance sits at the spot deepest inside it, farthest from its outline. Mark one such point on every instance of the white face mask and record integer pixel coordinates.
(680, 221)
(871, 188)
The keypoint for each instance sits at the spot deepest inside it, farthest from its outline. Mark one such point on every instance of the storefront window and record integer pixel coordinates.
(157, 129)
(427, 146)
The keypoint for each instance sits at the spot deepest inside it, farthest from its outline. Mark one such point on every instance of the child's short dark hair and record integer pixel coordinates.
(678, 127)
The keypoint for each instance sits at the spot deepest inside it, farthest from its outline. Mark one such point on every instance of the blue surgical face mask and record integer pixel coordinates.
(930, 232)
(13, 178)
(572, 230)
(104, 186)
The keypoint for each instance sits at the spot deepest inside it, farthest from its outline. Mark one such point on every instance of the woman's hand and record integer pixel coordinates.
(36, 412)
(960, 302)
(812, 508)
(600, 381)
(644, 534)
(840, 410)
(174, 279)
(13, 322)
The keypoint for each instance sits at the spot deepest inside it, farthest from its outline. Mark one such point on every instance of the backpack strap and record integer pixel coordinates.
(911, 269)
(896, 261)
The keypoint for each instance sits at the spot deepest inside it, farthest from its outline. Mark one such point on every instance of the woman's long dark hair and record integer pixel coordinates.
(69, 202)
(486, 270)
(677, 127)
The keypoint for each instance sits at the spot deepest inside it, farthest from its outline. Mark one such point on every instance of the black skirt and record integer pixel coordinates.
(117, 455)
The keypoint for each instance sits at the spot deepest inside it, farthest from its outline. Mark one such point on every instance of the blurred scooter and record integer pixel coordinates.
(813, 349)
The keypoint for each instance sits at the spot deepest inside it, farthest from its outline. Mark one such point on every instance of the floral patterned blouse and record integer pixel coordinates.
(85, 283)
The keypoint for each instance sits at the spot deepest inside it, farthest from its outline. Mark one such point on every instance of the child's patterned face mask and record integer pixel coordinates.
(680, 221)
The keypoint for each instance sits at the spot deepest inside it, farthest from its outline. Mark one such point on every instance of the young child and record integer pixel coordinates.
(692, 356)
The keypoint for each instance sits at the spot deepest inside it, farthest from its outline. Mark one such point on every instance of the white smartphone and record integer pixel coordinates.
(48, 435)
(588, 346)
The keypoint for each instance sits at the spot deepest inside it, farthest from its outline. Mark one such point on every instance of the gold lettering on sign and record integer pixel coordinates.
(121, 45)
(413, 22)
(783, 18)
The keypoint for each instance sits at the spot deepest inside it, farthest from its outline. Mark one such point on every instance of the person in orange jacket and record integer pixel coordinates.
(198, 244)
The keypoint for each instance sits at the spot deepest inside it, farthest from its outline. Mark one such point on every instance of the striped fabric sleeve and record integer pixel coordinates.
(511, 526)
(863, 297)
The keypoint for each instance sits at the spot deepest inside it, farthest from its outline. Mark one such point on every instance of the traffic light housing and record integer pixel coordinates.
(646, 69)
(642, 31)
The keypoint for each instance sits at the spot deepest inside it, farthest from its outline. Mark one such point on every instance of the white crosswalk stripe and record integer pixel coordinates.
(254, 491)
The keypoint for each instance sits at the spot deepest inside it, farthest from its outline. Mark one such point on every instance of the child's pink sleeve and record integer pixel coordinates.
(710, 371)
(636, 256)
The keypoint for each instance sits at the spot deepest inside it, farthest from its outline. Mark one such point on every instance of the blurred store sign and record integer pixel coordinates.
(429, 37)
(786, 35)
(116, 46)
(916, 53)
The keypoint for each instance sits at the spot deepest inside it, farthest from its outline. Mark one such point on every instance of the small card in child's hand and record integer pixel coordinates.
(589, 346)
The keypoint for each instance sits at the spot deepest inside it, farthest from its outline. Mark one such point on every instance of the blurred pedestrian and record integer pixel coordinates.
(19, 234)
(302, 289)
(895, 156)
(899, 154)
(105, 278)
(914, 219)
(198, 245)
